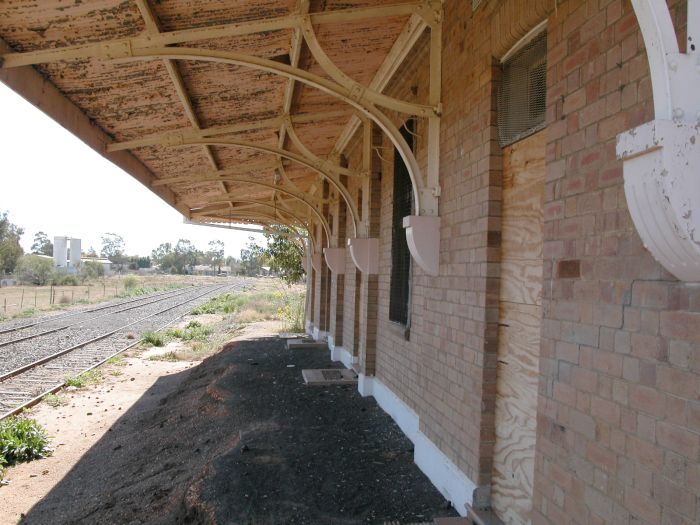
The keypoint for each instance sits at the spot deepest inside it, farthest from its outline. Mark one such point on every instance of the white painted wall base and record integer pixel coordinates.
(309, 328)
(338, 353)
(452, 483)
(319, 335)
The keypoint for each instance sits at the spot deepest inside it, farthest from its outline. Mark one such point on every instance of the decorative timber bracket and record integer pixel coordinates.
(661, 159)
(335, 259)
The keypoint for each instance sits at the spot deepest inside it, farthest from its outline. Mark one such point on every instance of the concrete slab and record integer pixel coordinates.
(329, 376)
(293, 344)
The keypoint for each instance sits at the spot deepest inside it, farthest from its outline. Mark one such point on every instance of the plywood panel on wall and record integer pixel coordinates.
(519, 329)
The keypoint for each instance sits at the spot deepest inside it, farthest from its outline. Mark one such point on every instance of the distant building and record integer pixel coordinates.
(66, 253)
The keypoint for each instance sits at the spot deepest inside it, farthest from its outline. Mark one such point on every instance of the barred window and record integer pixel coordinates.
(400, 255)
(522, 94)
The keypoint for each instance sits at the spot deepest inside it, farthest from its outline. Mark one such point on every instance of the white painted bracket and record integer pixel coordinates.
(661, 168)
(335, 259)
(423, 237)
(661, 159)
(365, 254)
(316, 261)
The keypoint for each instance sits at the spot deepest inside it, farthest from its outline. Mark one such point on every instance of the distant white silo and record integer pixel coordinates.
(75, 253)
(60, 251)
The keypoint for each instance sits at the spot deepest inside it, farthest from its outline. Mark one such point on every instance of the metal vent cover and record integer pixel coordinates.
(522, 93)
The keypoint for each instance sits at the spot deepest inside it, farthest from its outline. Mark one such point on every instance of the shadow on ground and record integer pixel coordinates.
(241, 439)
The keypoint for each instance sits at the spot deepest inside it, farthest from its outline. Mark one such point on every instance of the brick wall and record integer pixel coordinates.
(619, 400)
(618, 429)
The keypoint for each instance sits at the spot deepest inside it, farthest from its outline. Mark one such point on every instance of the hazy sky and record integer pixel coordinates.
(51, 181)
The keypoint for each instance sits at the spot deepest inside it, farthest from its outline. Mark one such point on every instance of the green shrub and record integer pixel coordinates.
(55, 400)
(34, 269)
(22, 439)
(63, 278)
(153, 339)
(292, 312)
(91, 377)
(130, 282)
(190, 332)
(223, 304)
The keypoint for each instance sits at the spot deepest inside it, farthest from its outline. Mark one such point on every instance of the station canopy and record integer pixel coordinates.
(231, 111)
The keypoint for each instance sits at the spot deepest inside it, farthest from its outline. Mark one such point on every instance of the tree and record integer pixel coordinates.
(113, 249)
(286, 254)
(252, 258)
(34, 269)
(91, 252)
(215, 254)
(187, 255)
(91, 270)
(42, 245)
(10, 249)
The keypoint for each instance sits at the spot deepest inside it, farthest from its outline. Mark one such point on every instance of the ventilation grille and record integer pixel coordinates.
(522, 95)
(400, 255)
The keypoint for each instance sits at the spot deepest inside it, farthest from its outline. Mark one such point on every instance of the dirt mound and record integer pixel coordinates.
(241, 439)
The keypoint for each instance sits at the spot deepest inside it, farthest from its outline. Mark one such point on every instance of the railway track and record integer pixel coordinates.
(33, 377)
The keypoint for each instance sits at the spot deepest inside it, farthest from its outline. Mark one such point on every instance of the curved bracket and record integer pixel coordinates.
(423, 238)
(323, 164)
(330, 87)
(661, 159)
(278, 188)
(316, 260)
(365, 254)
(335, 259)
(288, 155)
(357, 90)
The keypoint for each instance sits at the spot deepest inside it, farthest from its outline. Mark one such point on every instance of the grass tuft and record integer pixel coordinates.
(55, 400)
(91, 377)
(153, 339)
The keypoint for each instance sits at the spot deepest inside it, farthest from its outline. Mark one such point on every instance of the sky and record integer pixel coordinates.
(51, 181)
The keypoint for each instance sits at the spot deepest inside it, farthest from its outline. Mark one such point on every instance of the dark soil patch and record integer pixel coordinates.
(241, 439)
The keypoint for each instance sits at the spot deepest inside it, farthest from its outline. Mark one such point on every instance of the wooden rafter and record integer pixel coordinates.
(153, 28)
(116, 47)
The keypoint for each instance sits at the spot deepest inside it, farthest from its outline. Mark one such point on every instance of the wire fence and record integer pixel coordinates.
(25, 300)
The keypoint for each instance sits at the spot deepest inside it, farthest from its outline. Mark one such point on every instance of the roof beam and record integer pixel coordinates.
(108, 49)
(34, 88)
(212, 175)
(153, 27)
(169, 137)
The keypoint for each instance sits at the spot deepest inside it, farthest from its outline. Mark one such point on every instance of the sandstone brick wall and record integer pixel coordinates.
(619, 401)
(618, 433)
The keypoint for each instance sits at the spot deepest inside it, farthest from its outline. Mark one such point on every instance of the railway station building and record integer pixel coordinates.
(502, 200)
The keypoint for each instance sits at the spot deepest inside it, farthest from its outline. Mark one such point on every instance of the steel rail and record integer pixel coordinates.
(47, 359)
(65, 327)
(78, 312)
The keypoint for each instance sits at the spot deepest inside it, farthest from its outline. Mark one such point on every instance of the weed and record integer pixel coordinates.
(190, 333)
(117, 360)
(21, 439)
(64, 299)
(54, 400)
(167, 356)
(116, 373)
(27, 312)
(193, 324)
(292, 312)
(223, 304)
(152, 339)
(91, 377)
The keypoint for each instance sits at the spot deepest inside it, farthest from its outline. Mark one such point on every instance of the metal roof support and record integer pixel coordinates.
(661, 159)
(292, 21)
(332, 178)
(285, 191)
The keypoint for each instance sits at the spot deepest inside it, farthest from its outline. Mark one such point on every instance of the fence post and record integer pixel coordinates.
(35, 292)
(21, 301)
(72, 297)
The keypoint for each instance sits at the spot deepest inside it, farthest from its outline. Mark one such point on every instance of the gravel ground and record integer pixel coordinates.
(242, 440)
(24, 352)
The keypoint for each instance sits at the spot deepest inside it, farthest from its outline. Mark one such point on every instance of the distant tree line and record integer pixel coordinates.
(282, 254)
